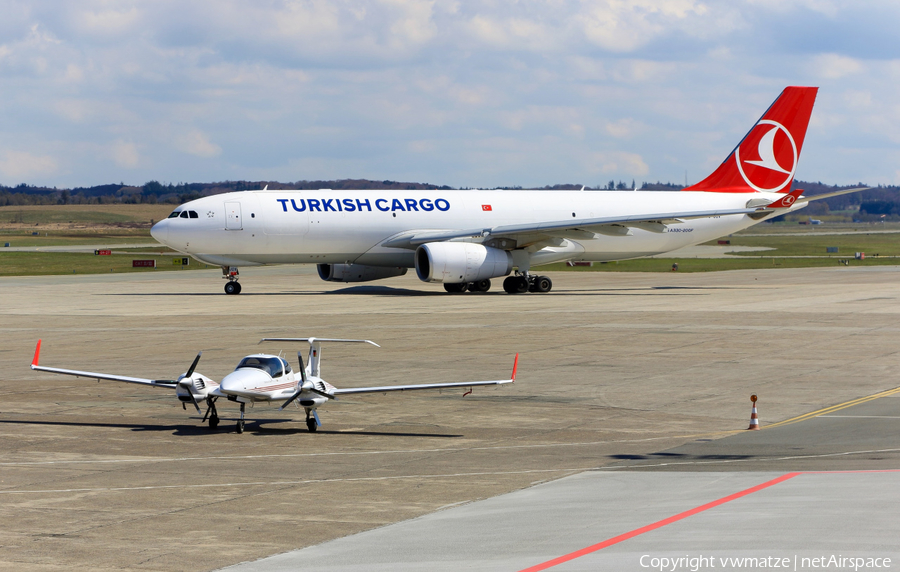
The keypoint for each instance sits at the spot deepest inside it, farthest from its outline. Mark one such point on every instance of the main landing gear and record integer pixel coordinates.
(312, 422)
(231, 274)
(211, 412)
(521, 283)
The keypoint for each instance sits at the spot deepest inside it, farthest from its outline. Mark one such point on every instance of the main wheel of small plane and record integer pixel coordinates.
(232, 288)
(455, 288)
(480, 286)
(240, 426)
(213, 422)
(312, 425)
(542, 284)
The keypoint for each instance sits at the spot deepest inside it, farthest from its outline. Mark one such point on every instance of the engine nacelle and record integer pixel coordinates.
(456, 262)
(356, 272)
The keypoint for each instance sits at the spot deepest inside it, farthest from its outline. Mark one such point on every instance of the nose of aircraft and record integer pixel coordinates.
(160, 231)
(242, 381)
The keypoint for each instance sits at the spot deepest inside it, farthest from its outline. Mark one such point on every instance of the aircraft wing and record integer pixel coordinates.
(834, 194)
(170, 383)
(560, 228)
(421, 386)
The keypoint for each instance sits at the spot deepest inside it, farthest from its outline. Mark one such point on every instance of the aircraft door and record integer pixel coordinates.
(233, 216)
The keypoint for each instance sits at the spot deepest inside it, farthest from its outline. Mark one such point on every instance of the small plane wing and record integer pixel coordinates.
(91, 374)
(386, 388)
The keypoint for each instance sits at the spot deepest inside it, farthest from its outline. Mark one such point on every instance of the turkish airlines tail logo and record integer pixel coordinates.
(766, 158)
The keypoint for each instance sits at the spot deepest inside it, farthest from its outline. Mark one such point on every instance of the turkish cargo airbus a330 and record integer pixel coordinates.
(465, 238)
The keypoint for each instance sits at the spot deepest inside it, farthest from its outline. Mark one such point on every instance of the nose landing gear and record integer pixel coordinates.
(231, 274)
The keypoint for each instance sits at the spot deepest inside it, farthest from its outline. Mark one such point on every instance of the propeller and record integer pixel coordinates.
(305, 385)
(187, 382)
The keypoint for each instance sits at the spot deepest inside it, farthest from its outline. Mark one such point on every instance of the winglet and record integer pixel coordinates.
(515, 366)
(786, 201)
(37, 354)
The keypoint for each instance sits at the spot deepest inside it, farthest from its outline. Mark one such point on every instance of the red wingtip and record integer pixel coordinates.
(515, 367)
(37, 353)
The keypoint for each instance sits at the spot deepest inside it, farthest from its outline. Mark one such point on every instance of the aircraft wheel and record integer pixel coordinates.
(238, 285)
(240, 426)
(311, 425)
(480, 286)
(455, 288)
(213, 422)
(542, 284)
(515, 284)
(233, 288)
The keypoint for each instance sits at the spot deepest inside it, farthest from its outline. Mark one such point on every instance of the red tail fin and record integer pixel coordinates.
(766, 158)
(37, 353)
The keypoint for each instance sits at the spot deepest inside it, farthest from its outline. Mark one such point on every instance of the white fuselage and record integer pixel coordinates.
(335, 227)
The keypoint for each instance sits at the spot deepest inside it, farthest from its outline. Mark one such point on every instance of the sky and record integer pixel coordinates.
(467, 94)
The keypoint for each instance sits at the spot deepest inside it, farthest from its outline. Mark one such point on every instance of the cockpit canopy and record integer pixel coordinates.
(274, 366)
(184, 214)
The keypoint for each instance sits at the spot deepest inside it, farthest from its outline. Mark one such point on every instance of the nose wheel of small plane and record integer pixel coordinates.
(311, 424)
(240, 423)
(213, 421)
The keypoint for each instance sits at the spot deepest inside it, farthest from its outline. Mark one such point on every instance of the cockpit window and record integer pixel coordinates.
(174, 214)
(271, 365)
(184, 214)
(193, 214)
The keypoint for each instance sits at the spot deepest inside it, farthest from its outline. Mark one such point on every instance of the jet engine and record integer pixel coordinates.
(357, 272)
(458, 262)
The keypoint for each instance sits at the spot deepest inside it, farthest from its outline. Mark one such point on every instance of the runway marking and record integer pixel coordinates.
(659, 524)
(859, 416)
(340, 453)
(747, 460)
(834, 408)
(302, 482)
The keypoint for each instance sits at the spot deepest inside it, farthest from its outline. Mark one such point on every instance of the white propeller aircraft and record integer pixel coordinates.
(265, 377)
(465, 238)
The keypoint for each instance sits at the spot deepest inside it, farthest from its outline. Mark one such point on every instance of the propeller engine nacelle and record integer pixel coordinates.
(456, 262)
(356, 272)
(196, 387)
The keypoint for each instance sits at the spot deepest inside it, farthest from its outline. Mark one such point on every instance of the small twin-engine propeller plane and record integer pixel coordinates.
(265, 377)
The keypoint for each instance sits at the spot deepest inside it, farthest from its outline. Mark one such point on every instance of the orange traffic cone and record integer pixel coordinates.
(754, 418)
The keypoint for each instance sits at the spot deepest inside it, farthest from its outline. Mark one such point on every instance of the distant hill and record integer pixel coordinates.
(881, 203)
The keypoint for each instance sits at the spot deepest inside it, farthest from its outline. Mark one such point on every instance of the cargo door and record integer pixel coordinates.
(233, 216)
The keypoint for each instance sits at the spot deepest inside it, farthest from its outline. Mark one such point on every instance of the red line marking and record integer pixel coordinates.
(638, 531)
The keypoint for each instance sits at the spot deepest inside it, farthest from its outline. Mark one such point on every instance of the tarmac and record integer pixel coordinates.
(614, 369)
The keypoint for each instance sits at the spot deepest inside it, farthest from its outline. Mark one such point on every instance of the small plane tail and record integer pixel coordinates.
(766, 158)
(37, 355)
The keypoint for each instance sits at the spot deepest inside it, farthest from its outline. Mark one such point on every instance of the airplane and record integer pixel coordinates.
(267, 378)
(464, 239)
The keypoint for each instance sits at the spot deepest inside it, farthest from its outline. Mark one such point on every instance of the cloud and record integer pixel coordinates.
(125, 154)
(836, 66)
(20, 165)
(197, 143)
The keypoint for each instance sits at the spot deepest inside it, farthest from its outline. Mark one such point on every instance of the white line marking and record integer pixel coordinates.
(303, 482)
(332, 454)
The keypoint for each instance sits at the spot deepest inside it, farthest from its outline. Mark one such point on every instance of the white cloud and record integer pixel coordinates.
(125, 154)
(836, 66)
(20, 165)
(197, 143)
